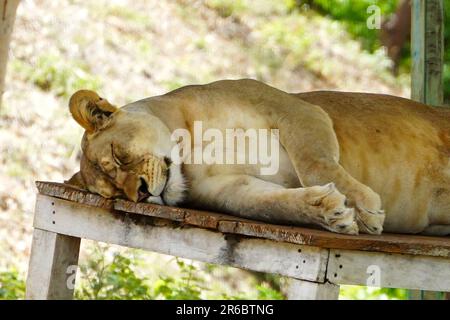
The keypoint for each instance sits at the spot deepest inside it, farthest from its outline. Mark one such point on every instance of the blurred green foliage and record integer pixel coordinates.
(102, 280)
(226, 8)
(51, 72)
(186, 286)
(354, 16)
(119, 278)
(12, 285)
(372, 293)
(265, 292)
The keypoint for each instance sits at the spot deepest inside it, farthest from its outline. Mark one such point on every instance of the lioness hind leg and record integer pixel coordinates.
(253, 198)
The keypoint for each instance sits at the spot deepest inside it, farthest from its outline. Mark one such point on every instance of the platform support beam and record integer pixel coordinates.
(53, 266)
(307, 290)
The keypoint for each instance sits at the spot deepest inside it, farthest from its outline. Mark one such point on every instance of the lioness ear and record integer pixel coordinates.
(90, 110)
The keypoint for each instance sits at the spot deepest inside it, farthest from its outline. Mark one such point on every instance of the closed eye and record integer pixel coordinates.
(116, 159)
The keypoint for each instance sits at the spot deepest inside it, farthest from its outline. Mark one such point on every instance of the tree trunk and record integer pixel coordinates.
(395, 32)
(7, 16)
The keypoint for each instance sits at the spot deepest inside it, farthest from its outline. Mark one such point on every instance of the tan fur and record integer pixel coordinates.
(344, 157)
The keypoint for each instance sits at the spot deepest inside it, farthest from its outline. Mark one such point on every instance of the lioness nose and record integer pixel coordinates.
(143, 192)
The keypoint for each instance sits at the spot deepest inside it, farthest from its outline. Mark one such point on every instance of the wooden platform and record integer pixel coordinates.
(389, 243)
(315, 261)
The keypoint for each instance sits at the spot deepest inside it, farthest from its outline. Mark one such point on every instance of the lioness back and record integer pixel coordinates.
(398, 147)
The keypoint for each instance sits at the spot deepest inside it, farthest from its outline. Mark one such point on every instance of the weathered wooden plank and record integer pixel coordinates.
(53, 262)
(409, 244)
(307, 290)
(69, 192)
(139, 231)
(193, 217)
(153, 210)
(198, 218)
(389, 270)
(210, 220)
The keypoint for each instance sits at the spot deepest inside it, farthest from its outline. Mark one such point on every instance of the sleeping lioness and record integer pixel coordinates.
(348, 162)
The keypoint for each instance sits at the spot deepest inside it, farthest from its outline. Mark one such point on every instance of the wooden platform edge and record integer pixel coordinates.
(388, 243)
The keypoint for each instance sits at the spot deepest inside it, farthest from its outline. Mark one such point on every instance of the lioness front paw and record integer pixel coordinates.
(369, 216)
(341, 221)
(333, 214)
(369, 221)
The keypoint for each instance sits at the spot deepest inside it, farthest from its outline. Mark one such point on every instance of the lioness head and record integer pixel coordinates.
(124, 153)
